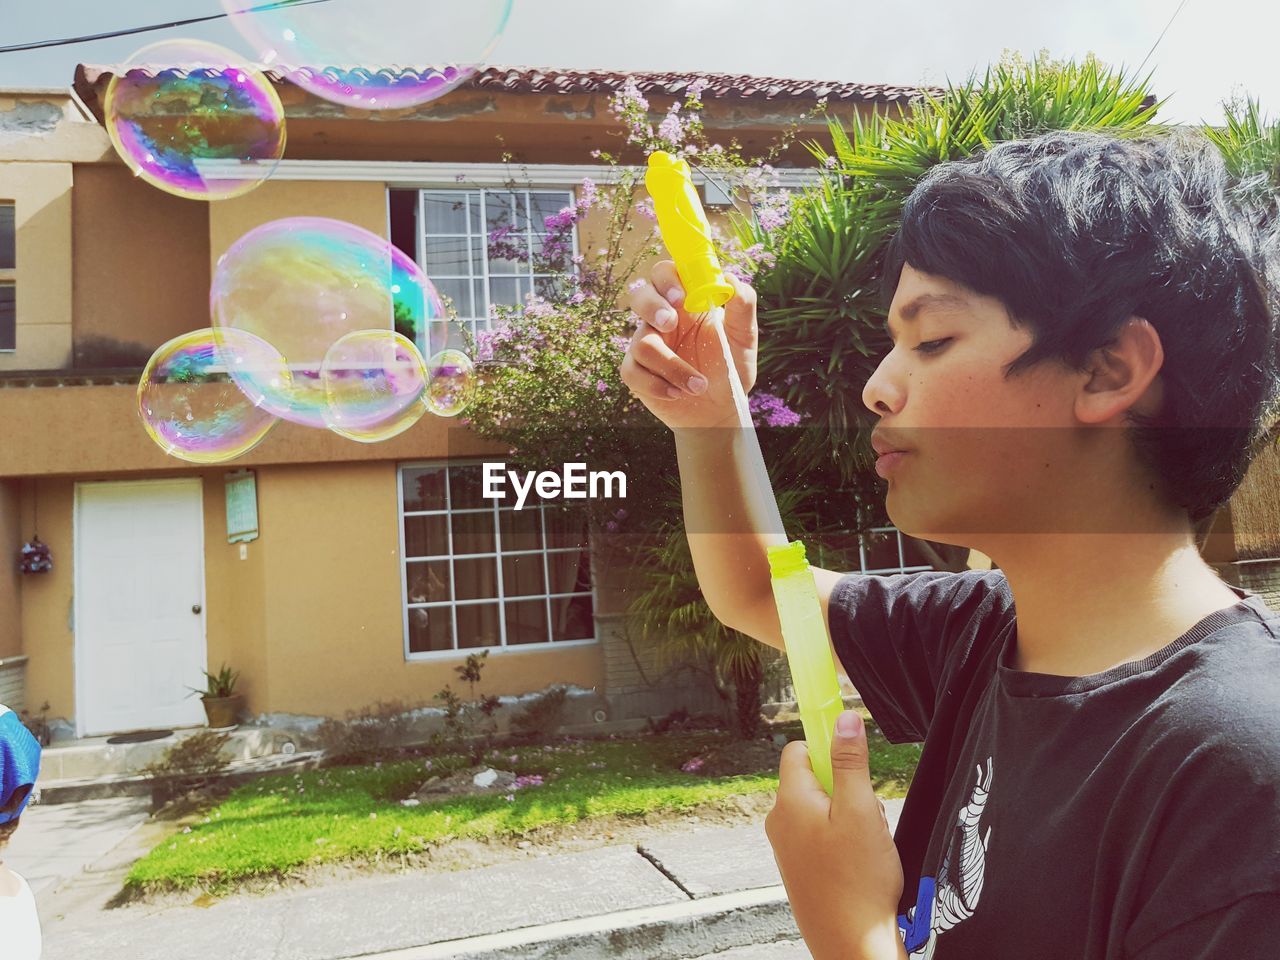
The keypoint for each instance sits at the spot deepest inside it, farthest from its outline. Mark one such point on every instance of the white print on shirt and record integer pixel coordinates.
(943, 903)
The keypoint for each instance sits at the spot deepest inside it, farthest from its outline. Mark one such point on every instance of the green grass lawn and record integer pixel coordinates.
(277, 824)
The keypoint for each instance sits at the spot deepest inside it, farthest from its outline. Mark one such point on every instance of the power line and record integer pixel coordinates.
(1161, 37)
(149, 28)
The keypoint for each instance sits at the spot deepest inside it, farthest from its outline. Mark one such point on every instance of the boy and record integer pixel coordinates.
(19, 766)
(1084, 361)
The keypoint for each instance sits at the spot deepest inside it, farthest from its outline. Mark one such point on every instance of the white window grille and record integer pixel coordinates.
(478, 574)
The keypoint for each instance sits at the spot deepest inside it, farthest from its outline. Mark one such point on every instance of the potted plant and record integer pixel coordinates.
(221, 702)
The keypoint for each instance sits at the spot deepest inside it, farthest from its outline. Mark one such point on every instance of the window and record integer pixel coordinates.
(484, 247)
(884, 550)
(8, 291)
(477, 574)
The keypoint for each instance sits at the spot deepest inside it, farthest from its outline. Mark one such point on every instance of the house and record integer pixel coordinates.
(318, 567)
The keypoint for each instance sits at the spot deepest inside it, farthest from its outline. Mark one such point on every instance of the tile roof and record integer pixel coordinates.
(738, 86)
(90, 80)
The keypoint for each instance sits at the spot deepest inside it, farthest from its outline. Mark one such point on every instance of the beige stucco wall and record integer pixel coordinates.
(41, 193)
(76, 430)
(11, 537)
(46, 601)
(142, 267)
(48, 125)
(331, 593)
(361, 203)
(312, 615)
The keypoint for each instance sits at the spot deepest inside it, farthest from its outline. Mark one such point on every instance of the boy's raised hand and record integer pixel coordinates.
(675, 363)
(836, 854)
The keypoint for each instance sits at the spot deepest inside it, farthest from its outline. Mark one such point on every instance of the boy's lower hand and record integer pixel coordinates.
(836, 854)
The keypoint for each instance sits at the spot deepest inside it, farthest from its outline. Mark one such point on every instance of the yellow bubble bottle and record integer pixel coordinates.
(687, 235)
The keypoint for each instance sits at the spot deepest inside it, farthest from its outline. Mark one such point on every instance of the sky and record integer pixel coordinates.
(1212, 51)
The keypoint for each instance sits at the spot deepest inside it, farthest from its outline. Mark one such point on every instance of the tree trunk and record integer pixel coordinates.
(746, 683)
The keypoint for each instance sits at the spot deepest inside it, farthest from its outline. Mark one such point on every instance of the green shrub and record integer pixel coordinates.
(193, 765)
(469, 723)
(544, 714)
(365, 734)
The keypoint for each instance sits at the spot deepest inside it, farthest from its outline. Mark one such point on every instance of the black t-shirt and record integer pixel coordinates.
(1132, 814)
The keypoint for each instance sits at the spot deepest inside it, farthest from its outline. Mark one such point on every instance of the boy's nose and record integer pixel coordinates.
(881, 395)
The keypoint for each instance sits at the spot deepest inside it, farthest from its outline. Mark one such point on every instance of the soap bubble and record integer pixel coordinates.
(195, 120)
(375, 56)
(419, 312)
(451, 383)
(304, 283)
(374, 382)
(191, 406)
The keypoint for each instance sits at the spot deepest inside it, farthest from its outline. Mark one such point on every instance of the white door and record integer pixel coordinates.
(139, 605)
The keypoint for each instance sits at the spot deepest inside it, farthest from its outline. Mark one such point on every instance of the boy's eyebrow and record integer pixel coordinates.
(910, 311)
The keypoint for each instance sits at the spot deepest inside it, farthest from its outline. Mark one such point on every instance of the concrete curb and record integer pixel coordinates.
(666, 932)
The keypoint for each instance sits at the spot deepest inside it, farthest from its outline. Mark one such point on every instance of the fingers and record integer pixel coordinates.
(646, 385)
(656, 302)
(740, 312)
(795, 772)
(652, 369)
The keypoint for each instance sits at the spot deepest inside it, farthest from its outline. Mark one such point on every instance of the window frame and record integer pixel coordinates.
(887, 571)
(452, 604)
(482, 320)
(9, 276)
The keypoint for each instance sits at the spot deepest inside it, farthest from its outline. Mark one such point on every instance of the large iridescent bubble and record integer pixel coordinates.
(381, 55)
(195, 120)
(189, 402)
(304, 283)
(374, 382)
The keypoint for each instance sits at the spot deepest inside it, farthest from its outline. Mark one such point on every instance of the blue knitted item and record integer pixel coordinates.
(19, 761)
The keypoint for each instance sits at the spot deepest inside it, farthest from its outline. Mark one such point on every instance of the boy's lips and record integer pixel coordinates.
(889, 461)
(883, 444)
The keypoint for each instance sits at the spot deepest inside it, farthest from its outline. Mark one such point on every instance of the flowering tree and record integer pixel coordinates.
(550, 384)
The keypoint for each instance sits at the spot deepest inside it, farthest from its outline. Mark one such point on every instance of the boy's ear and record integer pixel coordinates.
(1124, 375)
(16, 798)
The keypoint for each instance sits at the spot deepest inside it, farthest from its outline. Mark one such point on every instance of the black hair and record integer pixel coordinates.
(1074, 231)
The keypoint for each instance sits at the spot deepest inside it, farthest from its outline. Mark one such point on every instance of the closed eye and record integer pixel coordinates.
(933, 346)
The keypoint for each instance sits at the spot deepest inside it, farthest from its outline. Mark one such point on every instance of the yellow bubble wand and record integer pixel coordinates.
(687, 235)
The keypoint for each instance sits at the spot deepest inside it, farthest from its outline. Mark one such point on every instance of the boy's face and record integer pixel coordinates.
(985, 454)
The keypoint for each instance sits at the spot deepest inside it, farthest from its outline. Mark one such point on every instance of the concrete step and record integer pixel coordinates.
(94, 758)
(134, 785)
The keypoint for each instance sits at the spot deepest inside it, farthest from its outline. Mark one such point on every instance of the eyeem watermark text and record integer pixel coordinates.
(574, 482)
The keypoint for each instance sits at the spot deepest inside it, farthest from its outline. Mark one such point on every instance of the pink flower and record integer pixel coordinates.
(690, 766)
(671, 129)
(773, 410)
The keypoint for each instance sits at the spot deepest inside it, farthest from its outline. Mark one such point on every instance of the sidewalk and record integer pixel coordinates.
(57, 842)
(675, 894)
